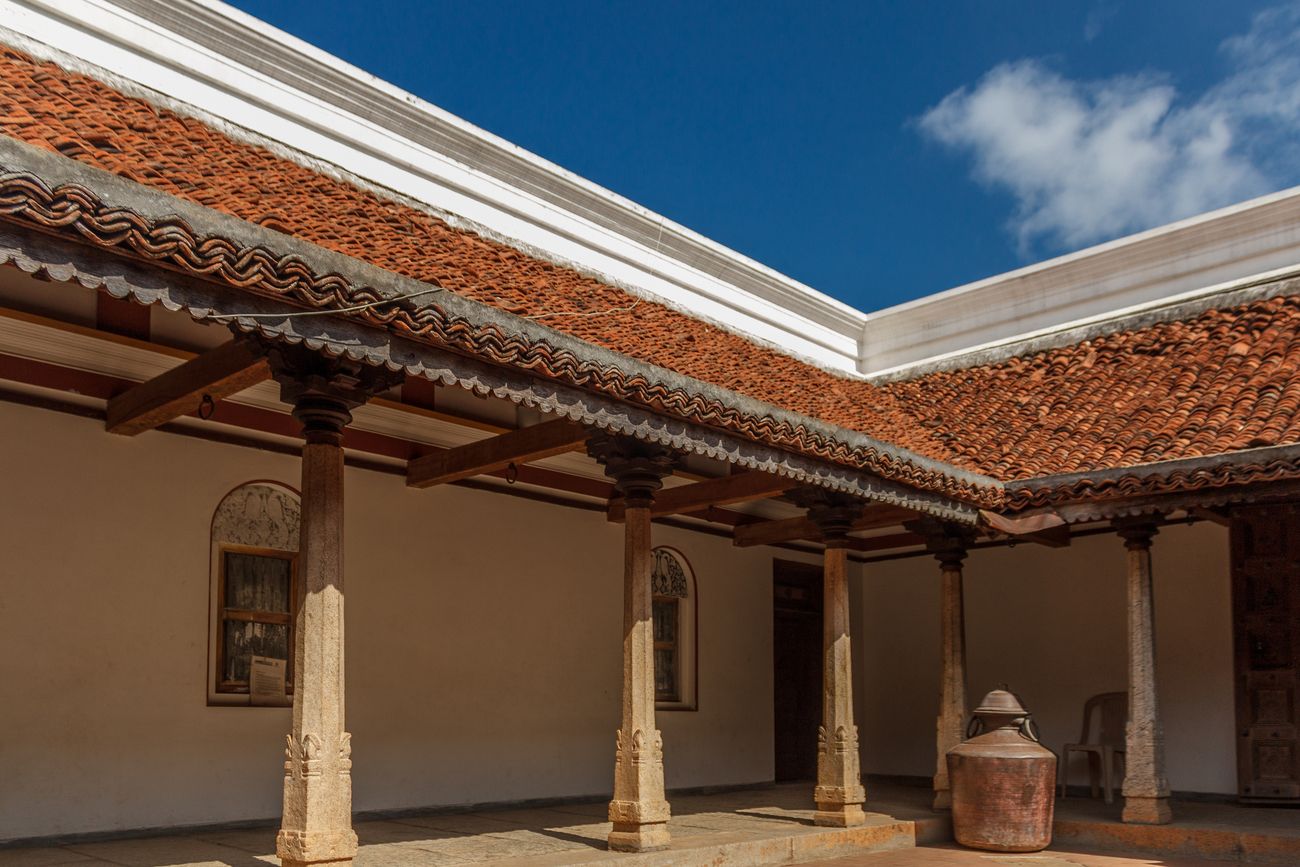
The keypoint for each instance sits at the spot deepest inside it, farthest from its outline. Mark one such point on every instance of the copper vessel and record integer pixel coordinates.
(1002, 781)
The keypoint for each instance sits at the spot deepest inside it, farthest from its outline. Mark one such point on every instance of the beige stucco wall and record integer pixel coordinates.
(484, 641)
(1050, 624)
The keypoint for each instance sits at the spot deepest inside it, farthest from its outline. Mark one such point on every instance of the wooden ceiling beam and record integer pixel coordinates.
(885, 543)
(228, 369)
(496, 453)
(738, 488)
(791, 529)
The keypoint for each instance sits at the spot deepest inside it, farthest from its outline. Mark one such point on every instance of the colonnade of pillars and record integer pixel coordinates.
(317, 817)
(1145, 789)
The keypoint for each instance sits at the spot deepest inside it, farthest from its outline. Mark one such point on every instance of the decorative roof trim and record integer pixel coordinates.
(1179, 308)
(57, 194)
(1269, 464)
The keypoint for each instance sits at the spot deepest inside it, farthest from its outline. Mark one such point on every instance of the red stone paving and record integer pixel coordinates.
(1226, 380)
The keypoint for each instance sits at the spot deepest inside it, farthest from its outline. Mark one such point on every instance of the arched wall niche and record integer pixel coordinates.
(254, 540)
(676, 630)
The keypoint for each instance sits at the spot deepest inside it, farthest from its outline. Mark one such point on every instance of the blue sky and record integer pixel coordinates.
(876, 151)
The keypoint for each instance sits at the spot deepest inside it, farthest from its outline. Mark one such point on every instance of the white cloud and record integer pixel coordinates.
(1088, 161)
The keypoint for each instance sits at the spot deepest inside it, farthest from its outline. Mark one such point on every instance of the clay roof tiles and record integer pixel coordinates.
(1224, 380)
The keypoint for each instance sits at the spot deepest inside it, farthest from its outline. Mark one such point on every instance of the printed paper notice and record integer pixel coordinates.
(266, 681)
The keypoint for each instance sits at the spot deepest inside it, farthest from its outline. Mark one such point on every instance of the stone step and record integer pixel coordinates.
(798, 845)
(1280, 846)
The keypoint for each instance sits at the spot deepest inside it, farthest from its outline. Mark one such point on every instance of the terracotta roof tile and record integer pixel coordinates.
(1225, 380)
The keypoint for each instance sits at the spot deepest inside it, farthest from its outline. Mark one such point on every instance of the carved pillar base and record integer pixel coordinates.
(316, 827)
(1147, 811)
(639, 810)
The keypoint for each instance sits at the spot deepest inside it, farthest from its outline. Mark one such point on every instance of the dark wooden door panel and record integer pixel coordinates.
(797, 667)
(1266, 629)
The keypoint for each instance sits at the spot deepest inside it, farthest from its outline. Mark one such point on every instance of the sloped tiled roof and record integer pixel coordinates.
(1221, 381)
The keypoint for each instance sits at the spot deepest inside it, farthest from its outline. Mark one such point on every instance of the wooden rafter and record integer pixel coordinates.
(496, 453)
(228, 369)
(699, 496)
(791, 529)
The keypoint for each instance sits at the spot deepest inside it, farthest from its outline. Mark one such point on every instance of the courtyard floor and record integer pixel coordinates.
(770, 825)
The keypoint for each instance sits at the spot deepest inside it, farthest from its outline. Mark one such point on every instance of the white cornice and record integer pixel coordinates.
(221, 63)
(1121, 277)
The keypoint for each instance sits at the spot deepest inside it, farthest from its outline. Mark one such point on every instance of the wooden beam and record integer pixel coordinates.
(220, 372)
(885, 543)
(496, 453)
(790, 529)
(723, 491)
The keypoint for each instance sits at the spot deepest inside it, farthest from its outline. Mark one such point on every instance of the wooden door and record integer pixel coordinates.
(1266, 633)
(797, 667)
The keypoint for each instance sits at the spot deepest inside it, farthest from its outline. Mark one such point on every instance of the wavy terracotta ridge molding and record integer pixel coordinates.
(74, 208)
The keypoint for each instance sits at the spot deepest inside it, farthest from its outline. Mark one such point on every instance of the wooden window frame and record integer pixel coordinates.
(225, 687)
(675, 646)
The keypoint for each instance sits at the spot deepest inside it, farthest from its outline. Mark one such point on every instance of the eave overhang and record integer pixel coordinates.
(71, 222)
(1248, 475)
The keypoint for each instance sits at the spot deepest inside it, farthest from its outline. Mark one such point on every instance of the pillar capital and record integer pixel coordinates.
(637, 467)
(948, 541)
(833, 512)
(1137, 531)
(323, 391)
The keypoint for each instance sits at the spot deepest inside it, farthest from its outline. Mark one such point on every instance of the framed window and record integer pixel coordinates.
(254, 587)
(674, 611)
(257, 589)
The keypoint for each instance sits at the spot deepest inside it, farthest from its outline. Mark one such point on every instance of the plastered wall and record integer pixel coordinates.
(483, 642)
(1050, 623)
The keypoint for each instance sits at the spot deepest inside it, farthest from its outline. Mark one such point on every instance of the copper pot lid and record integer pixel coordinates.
(1002, 702)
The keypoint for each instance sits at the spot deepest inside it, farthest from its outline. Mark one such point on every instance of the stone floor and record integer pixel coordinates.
(770, 825)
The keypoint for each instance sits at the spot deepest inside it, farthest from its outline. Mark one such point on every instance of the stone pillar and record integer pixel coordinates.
(316, 827)
(948, 542)
(1146, 791)
(839, 793)
(639, 810)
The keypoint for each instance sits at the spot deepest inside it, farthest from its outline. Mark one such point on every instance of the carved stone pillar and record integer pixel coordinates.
(839, 793)
(948, 542)
(317, 823)
(639, 810)
(1146, 791)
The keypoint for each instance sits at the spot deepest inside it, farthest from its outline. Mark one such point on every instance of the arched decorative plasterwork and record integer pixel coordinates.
(669, 577)
(260, 515)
